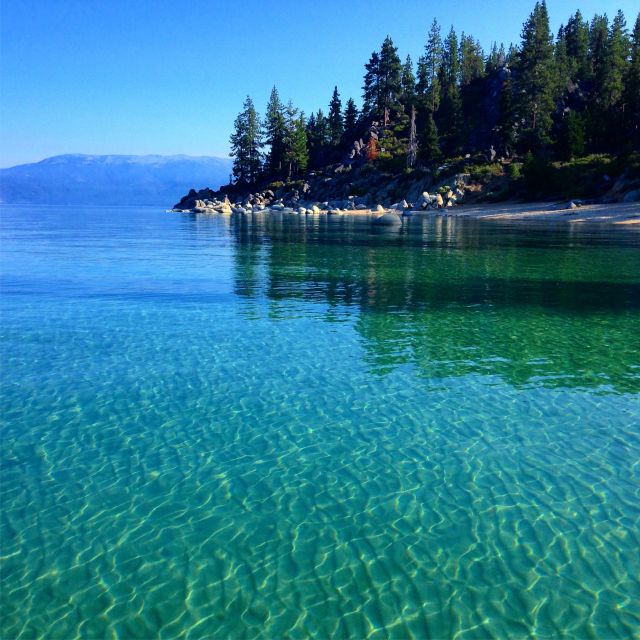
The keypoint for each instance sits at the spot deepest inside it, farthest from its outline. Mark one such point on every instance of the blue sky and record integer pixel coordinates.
(169, 76)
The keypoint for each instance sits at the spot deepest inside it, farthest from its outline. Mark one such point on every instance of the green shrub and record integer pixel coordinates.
(483, 173)
(514, 171)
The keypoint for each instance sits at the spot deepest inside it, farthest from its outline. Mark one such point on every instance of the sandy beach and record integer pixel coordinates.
(614, 213)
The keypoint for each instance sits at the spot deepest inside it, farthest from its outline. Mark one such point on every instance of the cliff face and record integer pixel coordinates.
(110, 180)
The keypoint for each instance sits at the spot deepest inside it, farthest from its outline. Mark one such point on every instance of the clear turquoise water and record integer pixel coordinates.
(289, 427)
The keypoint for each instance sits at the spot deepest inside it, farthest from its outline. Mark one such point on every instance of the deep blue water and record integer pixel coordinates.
(303, 427)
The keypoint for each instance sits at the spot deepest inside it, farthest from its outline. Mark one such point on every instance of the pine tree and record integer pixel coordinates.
(618, 50)
(422, 80)
(507, 120)
(577, 42)
(512, 56)
(535, 77)
(317, 138)
(471, 60)
(598, 62)
(274, 129)
(431, 67)
(598, 44)
(492, 60)
(449, 114)
(390, 72)
(296, 154)
(632, 89)
(246, 143)
(429, 148)
(336, 126)
(571, 138)
(322, 129)
(562, 63)
(450, 62)
(371, 87)
(617, 55)
(300, 146)
(350, 115)
(408, 82)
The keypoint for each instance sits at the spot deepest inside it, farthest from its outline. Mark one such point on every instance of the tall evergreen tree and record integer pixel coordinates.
(350, 115)
(449, 114)
(617, 57)
(562, 63)
(429, 148)
(431, 63)
(512, 56)
(336, 125)
(571, 138)
(322, 129)
(296, 154)
(492, 63)
(536, 77)
(450, 62)
(632, 89)
(598, 62)
(598, 44)
(408, 82)
(246, 145)
(471, 60)
(507, 126)
(422, 80)
(618, 50)
(390, 71)
(317, 138)
(274, 130)
(577, 43)
(371, 90)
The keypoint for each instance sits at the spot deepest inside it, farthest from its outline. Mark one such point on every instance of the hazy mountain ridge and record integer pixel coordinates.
(110, 179)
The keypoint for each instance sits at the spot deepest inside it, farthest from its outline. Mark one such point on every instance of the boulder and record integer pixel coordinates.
(439, 200)
(380, 209)
(389, 219)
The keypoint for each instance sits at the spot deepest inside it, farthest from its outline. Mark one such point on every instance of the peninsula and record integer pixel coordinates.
(552, 119)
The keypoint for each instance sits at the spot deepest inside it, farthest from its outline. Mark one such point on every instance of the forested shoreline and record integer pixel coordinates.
(548, 98)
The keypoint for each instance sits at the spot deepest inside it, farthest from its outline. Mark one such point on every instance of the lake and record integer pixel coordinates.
(310, 427)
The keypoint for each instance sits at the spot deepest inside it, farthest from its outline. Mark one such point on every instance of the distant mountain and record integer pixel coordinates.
(84, 179)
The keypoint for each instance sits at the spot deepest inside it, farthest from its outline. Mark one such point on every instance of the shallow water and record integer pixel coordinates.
(307, 427)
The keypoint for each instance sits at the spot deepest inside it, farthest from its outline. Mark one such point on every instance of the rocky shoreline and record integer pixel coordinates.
(338, 190)
(294, 202)
(448, 205)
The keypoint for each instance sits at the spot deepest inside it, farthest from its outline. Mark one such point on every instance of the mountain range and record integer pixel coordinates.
(111, 179)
